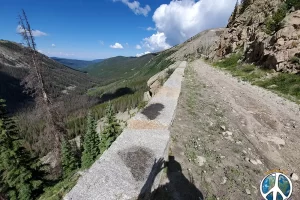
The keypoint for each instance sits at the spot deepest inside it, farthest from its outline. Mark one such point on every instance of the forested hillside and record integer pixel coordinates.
(61, 82)
(74, 63)
(76, 98)
(117, 68)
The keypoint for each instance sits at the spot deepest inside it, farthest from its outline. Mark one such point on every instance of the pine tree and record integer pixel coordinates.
(235, 12)
(112, 129)
(21, 174)
(245, 4)
(69, 162)
(90, 144)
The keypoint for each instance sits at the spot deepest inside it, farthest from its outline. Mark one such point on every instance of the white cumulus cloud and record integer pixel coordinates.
(141, 54)
(180, 20)
(116, 46)
(151, 29)
(35, 33)
(138, 46)
(156, 42)
(135, 6)
(53, 45)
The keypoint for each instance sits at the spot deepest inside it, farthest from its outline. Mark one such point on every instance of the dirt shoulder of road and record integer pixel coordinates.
(227, 135)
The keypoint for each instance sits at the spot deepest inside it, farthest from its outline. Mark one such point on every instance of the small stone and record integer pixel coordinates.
(224, 180)
(255, 191)
(245, 152)
(222, 157)
(229, 138)
(229, 133)
(258, 162)
(272, 86)
(248, 191)
(238, 142)
(294, 177)
(247, 159)
(201, 160)
(223, 128)
(253, 162)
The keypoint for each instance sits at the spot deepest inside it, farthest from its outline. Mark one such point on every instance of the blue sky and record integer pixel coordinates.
(92, 29)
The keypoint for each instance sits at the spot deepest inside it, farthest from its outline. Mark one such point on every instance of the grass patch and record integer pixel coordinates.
(192, 87)
(191, 155)
(59, 190)
(247, 72)
(286, 85)
(229, 63)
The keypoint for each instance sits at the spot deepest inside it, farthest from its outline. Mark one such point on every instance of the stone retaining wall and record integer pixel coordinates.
(125, 170)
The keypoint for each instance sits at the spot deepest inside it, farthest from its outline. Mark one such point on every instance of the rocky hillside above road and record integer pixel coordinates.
(268, 34)
(200, 45)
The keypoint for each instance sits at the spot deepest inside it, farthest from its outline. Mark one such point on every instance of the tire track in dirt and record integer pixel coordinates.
(227, 134)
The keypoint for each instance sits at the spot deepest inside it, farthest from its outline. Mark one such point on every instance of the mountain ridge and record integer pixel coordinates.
(14, 65)
(76, 63)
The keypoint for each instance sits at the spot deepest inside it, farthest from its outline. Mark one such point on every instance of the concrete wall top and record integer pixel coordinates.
(124, 170)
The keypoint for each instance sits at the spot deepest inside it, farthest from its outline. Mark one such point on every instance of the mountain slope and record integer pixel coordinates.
(117, 68)
(74, 63)
(267, 33)
(61, 82)
(136, 79)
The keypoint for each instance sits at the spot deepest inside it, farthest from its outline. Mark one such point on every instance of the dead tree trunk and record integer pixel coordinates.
(35, 82)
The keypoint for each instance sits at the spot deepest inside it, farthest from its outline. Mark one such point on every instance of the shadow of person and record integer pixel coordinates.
(178, 187)
(145, 193)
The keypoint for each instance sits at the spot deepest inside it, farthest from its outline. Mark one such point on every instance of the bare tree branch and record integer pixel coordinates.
(34, 83)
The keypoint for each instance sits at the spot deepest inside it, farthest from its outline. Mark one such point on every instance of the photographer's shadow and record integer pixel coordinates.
(178, 187)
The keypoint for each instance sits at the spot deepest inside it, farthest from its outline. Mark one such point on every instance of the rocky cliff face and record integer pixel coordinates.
(279, 50)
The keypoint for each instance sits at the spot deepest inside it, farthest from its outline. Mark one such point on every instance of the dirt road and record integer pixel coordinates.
(227, 135)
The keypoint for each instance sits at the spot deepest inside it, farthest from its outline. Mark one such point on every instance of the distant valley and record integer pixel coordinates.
(74, 63)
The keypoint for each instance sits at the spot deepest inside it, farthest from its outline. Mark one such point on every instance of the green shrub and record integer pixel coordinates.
(170, 71)
(293, 3)
(60, 189)
(245, 4)
(295, 60)
(273, 24)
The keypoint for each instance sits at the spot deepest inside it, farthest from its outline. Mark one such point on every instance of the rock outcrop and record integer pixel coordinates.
(247, 33)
